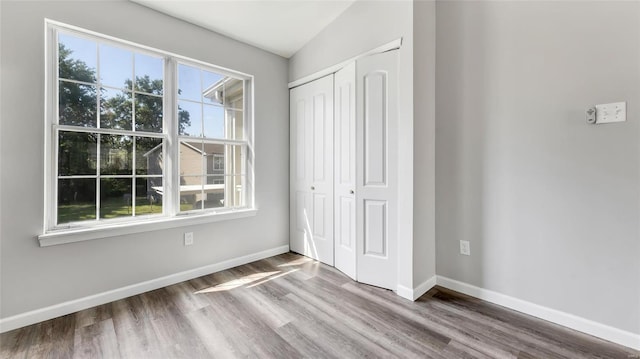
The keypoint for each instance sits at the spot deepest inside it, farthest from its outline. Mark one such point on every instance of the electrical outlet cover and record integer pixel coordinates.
(188, 238)
(465, 248)
(611, 112)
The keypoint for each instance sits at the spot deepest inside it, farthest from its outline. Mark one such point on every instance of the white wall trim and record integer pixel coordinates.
(54, 311)
(587, 326)
(393, 45)
(73, 235)
(424, 287)
(404, 292)
(416, 292)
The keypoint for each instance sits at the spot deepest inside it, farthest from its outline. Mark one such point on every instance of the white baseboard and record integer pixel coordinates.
(424, 287)
(417, 292)
(404, 292)
(54, 311)
(599, 330)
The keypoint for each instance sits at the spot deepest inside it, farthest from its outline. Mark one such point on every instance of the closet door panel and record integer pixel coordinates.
(376, 187)
(299, 140)
(375, 228)
(345, 167)
(320, 138)
(311, 162)
(375, 128)
(300, 224)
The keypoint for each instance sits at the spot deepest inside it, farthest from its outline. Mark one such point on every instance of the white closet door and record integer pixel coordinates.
(345, 170)
(377, 189)
(311, 113)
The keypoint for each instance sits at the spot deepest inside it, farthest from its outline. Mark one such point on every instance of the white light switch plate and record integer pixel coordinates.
(611, 112)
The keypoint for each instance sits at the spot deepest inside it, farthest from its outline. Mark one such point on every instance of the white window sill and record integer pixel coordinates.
(63, 236)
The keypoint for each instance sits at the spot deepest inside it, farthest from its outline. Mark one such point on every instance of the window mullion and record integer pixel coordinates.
(171, 149)
(243, 178)
(203, 163)
(98, 160)
(134, 179)
(109, 131)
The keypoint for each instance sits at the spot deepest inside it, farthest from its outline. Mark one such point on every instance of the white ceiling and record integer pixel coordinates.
(278, 26)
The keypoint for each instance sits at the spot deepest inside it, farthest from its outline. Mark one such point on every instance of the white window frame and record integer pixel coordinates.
(243, 144)
(171, 216)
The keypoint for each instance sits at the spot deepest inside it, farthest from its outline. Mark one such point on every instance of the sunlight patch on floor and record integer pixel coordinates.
(272, 278)
(297, 262)
(235, 283)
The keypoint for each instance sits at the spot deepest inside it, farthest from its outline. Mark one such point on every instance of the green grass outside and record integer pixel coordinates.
(112, 208)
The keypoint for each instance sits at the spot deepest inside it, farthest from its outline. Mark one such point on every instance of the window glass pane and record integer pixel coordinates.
(76, 200)
(191, 161)
(116, 153)
(224, 191)
(149, 74)
(234, 94)
(216, 180)
(76, 153)
(189, 83)
(227, 159)
(148, 196)
(77, 104)
(116, 67)
(191, 194)
(214, 191)
(76, 58)
(223, 159)
(213, 121)
(115, 197)
(215, 162)
(235, 124)
(214, 159)
(189, 119)
(148, 113)
(149, 156)
(115, 109)
(234, 186)
(212, 87)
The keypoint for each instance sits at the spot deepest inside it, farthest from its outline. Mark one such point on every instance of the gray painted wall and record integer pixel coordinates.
(550, 205)
(34, 277)
(424, 141)
(362, 27)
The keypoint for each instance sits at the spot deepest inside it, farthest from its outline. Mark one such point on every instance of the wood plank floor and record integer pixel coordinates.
(289, 306)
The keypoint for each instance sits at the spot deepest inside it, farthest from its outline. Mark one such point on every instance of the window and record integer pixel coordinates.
(212, 148)
(137, 134)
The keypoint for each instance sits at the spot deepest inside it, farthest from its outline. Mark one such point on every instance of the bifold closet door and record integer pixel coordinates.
(345, 170)
(376, 164)
(311, 147)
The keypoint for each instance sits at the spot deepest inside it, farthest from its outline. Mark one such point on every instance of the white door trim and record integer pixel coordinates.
(393, 45)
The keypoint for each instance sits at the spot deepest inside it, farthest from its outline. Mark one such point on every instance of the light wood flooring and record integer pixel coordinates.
(289, 306)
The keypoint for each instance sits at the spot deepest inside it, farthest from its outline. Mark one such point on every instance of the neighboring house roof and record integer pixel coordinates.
(232, 86)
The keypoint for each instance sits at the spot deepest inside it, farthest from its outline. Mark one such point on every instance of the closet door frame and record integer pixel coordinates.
(392, 210)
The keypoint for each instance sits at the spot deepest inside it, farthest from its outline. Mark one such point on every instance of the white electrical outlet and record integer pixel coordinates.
(611, 112)
(465, 248)
(188, 238)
